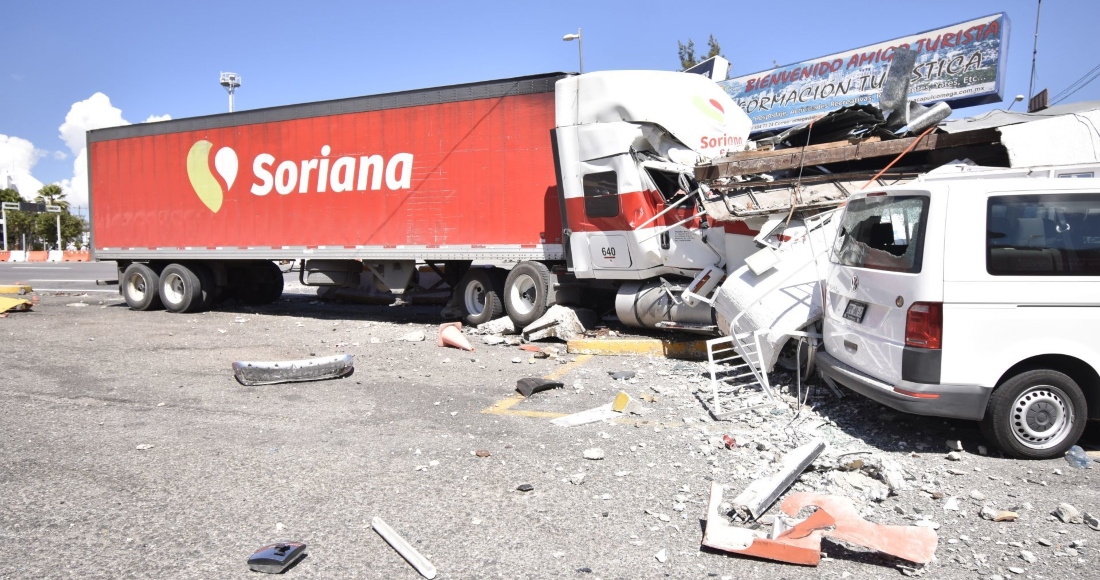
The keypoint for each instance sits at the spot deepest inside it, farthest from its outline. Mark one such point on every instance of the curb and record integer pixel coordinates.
(685, 350)
(15, 289)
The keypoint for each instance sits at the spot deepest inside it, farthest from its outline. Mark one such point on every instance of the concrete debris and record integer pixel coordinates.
(450, 334)
(1028, 557)
(760, 494)
(561, 322)
(954, 445)
(1091, 521)
(577, 478)
(529, 385)
(482, 453)
(954, 456)
(1016, 570)
(621, 375)
(1068, 514)
(492, 339)
(144, 447)
(996, 515)
(403, 547)
(595, 453)
(502, 325)
(414, 336)
(951, 504)
(977, 495)
(661, 556)
(623, 403)
(601, 413)
(252, 373)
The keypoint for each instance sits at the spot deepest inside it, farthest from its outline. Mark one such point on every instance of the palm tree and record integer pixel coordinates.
(51, 194)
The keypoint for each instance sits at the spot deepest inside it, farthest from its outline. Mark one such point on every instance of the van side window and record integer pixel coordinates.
(1043, 235)
(883, 233)
(601, 194)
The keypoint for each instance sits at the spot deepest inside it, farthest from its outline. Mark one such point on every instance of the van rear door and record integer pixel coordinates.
(881, 267)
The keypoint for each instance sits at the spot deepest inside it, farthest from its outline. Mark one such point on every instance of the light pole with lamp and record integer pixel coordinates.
(580, 45)
(1014, 101)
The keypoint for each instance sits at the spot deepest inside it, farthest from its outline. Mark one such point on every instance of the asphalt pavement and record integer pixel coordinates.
(60, 276)
(127, 449)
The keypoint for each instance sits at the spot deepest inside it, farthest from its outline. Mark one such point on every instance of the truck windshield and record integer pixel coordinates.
(882, 233)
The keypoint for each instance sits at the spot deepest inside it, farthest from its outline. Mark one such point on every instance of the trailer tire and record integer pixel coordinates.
(478, 296)
(526, 291)
(181, 289)
(207, 284)
(140, 287)
(262, 283)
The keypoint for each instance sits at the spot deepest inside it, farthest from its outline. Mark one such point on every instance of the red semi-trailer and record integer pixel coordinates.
(520, 192)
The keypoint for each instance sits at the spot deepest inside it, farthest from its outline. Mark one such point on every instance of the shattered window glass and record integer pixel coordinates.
(882, 233)
(1043, 235)
(601, 194)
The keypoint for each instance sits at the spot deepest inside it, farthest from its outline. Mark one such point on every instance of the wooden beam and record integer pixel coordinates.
(793, 157)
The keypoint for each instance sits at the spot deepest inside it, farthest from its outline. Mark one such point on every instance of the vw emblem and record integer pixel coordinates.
(855, 282)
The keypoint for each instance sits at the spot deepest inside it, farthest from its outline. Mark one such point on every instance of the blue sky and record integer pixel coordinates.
(163, 58)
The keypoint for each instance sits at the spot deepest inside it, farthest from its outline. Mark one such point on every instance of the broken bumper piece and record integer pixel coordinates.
(293, 371)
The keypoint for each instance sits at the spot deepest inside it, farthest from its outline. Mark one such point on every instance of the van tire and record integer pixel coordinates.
(478, 296)
(526, 291)
(140, 287)
(1019, 411)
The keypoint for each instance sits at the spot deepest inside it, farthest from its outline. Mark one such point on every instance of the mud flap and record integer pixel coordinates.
(293, 371)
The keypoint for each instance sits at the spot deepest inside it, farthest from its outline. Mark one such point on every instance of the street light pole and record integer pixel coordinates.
(580, 45)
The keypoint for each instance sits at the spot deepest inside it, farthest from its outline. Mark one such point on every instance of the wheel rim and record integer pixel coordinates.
(1041, 417)
(474, 297)
(173, 288)
(522, 295)
(136, 287)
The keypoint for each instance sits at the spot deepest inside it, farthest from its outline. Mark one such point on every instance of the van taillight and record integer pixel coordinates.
(924, 325)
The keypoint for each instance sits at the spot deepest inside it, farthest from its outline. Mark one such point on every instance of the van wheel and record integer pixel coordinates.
(140, 287)
(525, 292)
(180, 289)
(478, 296)
(1038, 414)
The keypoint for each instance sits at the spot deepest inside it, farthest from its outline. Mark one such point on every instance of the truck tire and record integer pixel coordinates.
(141, 287)
(262, 284)
(206, 282)
(1037, 414)
(181, 289)
(478, 296)
(526, 291)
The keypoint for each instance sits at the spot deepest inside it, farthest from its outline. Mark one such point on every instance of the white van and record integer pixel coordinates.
(972, 298)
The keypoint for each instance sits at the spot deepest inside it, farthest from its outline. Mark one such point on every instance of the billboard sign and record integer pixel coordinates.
(962, 64)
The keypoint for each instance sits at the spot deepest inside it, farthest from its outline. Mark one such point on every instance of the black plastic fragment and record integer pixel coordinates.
(530, 385)
(276, 558)
(526, 487)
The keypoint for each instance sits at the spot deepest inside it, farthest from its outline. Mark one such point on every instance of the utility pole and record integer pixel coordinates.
(1034, 52)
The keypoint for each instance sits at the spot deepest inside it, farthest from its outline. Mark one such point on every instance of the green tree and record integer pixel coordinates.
(687, 52)
(52, 195)
(19, 223)
(72, 229)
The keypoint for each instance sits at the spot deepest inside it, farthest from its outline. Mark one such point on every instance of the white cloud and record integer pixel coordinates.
(95, 112)
(17, 158)
(156, 118)
(60, 155)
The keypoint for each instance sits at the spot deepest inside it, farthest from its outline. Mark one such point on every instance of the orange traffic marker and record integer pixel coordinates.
(450, 334)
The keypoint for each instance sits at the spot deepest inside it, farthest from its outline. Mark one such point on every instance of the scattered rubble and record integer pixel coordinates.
(594, 454)
(529, 385)
(561, 322)
(601, 413)
(760, 495)
(502, 325)
(414, 336)
(1068, 514)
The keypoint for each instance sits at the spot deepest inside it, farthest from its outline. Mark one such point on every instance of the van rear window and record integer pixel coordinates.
(882, 233)
(1043, 235)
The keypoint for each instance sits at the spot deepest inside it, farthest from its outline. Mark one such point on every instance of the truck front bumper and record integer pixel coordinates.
(954, 401)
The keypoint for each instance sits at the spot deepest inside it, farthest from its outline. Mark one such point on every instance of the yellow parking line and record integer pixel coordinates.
(504, 406)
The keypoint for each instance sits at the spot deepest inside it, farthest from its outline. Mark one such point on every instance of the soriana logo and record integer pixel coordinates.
(316, 175)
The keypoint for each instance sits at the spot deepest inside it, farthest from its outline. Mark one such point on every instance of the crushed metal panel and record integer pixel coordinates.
(912, 543)
(252, 373)
(800, 544)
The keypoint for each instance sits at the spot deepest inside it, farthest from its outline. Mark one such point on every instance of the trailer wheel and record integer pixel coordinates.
(478, 295)
(261, 283)
(525, 292)
(273, 289)
(1037, 414)
(140, 287)
(181, 289)
(206, 283)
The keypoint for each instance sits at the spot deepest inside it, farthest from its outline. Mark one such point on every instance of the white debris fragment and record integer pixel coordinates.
(595, 453)
(414, 336)
(661, 556)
